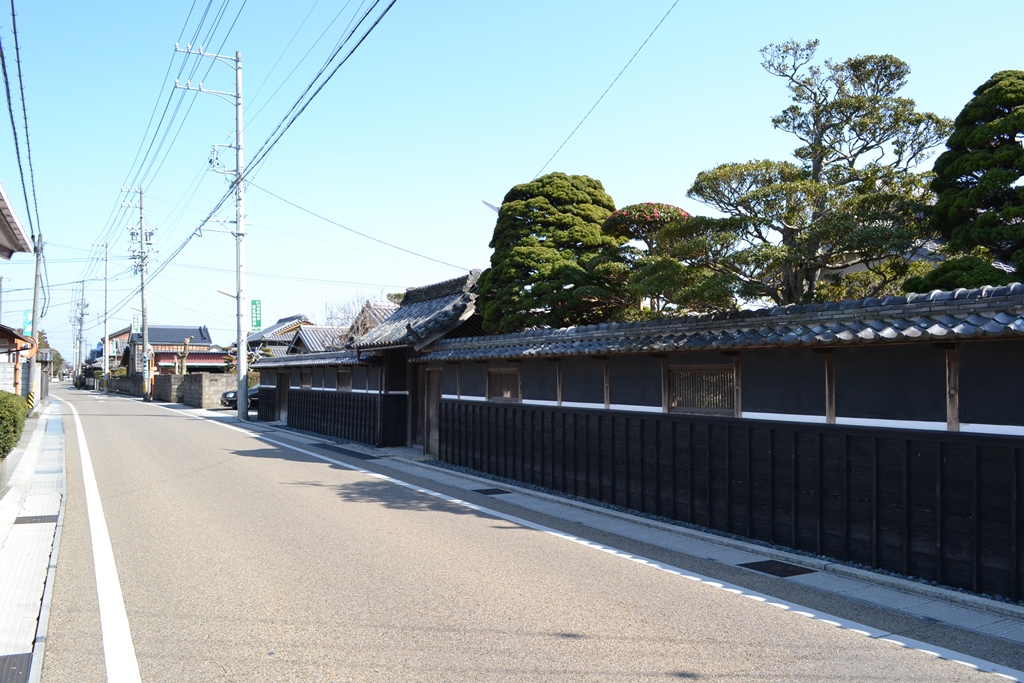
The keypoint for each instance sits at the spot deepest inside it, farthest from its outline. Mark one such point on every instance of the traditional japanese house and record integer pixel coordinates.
(274, 340)
(364, 392)
(168, 344)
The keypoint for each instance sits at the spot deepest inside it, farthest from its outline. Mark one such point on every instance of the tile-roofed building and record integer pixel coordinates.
(167, 342)
(988, 312)
(316, 338)
(282, 329)
(372, 314)
(174, 335)
(425, 315)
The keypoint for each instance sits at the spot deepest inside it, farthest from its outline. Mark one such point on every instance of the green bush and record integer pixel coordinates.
(13, 410)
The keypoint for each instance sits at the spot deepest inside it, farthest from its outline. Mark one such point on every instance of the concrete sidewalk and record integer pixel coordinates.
(31, 511)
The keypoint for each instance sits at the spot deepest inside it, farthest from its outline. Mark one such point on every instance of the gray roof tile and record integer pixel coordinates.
(939, 316)
(425, 314)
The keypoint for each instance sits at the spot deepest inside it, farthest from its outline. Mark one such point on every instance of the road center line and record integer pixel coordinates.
(118, 648)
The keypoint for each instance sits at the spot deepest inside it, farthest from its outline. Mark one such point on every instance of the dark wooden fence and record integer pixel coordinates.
(374, 419)
(944, 507)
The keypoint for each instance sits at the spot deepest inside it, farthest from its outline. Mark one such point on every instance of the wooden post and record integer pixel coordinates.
(953, 388)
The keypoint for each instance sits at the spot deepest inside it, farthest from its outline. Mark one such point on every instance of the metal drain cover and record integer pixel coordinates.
(490, 492)
(37, 519)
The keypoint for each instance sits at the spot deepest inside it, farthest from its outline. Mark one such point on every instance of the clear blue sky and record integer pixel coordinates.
(445, 104)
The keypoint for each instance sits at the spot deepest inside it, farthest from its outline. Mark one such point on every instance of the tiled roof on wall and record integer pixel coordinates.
(425, 314)
(988, 312)
(310, 359)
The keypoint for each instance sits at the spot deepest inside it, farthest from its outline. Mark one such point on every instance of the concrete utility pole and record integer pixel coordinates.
(242, 330)
(144, 237)
(33, 367)
(106, 330)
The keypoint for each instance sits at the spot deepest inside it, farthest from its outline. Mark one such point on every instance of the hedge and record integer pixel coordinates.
(13, 411)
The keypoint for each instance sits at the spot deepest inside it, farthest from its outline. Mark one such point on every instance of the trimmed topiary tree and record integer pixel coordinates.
(977, 180)
(552, 264)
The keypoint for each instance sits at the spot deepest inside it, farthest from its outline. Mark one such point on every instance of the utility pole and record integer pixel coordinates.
(33, 367)
(106, 331)
(242, 330)
(142, 260)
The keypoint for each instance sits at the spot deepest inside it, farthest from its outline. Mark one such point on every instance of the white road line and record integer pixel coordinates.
(855, 627)
(118, 648)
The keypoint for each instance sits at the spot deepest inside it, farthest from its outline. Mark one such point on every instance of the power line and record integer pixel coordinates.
(17, 144)
(24, 114)
(361, 234)
(606, 90)
(303, 101)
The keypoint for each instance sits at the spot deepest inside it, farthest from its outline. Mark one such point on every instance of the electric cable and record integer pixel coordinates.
(606, 91)
(361, 234)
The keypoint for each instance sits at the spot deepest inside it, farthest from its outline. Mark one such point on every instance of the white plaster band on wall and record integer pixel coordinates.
(1004, 430)
(473, 398)
(635, 409)
(538, 402)
(891, 424)
(588, 406)
(450, 397)
(785, 417)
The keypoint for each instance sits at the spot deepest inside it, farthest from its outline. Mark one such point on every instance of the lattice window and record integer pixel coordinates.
(703, 389)
(344, 379)
(307, 378)
(503, 384)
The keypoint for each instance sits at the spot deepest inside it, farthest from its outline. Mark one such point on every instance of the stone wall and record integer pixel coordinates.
(169, 388)
(203, 389)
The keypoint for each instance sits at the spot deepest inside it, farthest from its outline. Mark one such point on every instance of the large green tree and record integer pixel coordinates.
(658, 282)
(849, 200)
(552, 265)
(981, 198)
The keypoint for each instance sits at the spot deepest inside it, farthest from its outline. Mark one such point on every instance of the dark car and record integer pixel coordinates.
(229, 398)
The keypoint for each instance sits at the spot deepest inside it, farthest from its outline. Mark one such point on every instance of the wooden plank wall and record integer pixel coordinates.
(341, 414)
(940, 506)
(374, 419)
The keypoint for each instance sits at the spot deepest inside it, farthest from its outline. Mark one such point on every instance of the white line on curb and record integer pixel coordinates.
(118, 648)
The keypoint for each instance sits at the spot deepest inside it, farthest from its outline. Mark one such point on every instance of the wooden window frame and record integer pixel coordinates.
(338, 384)
(733, 370)
(517, 371)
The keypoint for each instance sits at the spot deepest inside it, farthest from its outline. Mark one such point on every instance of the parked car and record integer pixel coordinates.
(230, 398)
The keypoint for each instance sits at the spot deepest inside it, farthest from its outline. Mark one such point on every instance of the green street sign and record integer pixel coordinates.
(257, 315)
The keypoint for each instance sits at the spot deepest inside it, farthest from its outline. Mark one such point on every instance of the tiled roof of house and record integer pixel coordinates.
(372, 313)
(426, 313)
(284, 324)
(315, 338)
(988, 312)
(172, 334)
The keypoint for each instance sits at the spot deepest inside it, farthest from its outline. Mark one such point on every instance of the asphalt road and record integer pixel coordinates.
(242, 561)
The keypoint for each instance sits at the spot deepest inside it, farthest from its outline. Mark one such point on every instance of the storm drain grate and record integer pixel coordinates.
(350, 453)
(776, 568)
(15, 668)
(490, 492)
(49, 471)
(36, 519)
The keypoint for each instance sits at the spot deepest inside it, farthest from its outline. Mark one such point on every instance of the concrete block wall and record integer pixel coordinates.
(203, 389)
(169, 388)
